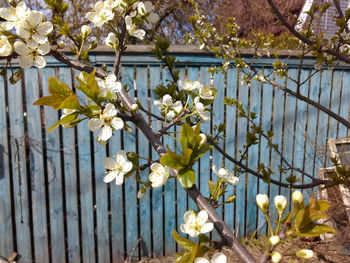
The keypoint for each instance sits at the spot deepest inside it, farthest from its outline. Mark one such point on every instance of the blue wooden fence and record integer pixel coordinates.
(54, 206)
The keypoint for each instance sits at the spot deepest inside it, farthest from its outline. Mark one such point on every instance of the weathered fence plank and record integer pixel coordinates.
(19, 172)
(69, 152)
(157, 194)
(6, 244)
(54, 176)
(36, 163)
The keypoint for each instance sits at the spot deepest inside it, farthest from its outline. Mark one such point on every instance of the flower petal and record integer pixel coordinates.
(117, 123)
(127, 167)
(110, 177)
(45, 28)
(40, 62)
(202, 217)
(167, 100)
(105, 133)
(94, 124)
(207, 228)
(155, 166)
(121, 157)
(219, 258)
(119, 179)
(25, 62)
(109, 163)
(201, 260)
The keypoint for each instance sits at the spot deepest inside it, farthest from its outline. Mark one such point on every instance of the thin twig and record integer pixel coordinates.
(133, 249)
(340, 12)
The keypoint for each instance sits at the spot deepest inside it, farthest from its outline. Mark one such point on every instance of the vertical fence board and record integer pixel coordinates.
(288, 132)
(6, 244)
(181, 197)
(310, 150)
(130, 183)
(169, 193)
(192, 74)
(230, 147)
(117, 212)
(243, 91)
(101, 206)
(19, 173)
(71, 182)
(301, 110)
(157, 194)
(85, 185)
(266, 118)
(277, 139)
(344, 107)
(205, 168)
(143, 151)
(36, 167)
(335, 105)
(253, 157)
(218, 118)
(325, 93)
(54, 176)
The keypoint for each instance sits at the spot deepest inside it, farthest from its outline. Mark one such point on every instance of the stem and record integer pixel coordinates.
(279, 223)
(269, 223)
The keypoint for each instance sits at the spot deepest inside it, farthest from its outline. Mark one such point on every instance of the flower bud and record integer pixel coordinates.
(85, 30)
(263, 202)
(298, 198)
(134, 107)
(203, 138)
(61, 45)
(274, 240)
(280, 204)
(304, 253)
(276, 257)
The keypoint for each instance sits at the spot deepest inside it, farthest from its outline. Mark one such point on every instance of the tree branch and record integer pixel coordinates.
(340, 12)
(303, 38)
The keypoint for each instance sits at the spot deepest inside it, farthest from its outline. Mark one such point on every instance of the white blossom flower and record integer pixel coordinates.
(152, 18)
(108, 121)
(226, 175)
(189, 85)
(112, 40)
(31, 53)
(159, 175)
(33, 27)
(5, 47)
(14, 16)
(304, 253)
(167, 104)
(85, 30)
(195, 225)
(117, 167)
(280, 204)
(297, 198)
(274, 240)
(101, 14)
(276, 257)
(206, 93)
(133, 30)
(201, 110)
(112, 85)
(218, 257)
(263, 202)
(65, 113)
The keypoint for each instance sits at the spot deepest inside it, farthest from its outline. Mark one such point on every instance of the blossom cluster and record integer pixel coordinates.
(32, 29)
(137, 14)
(174, 108)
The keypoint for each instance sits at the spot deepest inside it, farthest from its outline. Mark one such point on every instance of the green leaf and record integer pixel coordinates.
(211, 185)
(70, 102)
(183, 242)
(89, 85)
(186, 156)
(57, 87)
(186, 136)
(66, 119)
(170, 161)
(187, 178)
(203, 239)
(314, 230)
(231, 199)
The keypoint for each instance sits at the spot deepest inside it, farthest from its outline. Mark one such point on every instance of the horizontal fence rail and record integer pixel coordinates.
(54, 206)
